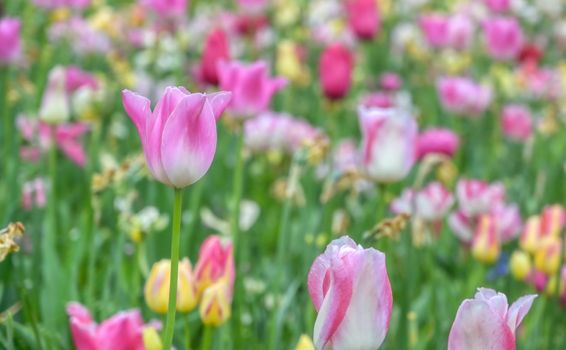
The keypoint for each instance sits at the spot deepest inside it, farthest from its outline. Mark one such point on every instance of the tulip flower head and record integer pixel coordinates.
(215, 303)
(487, 322)
(516, 122)
(486, 244)
(437, 140)
(216, 261)
(169, 8)
(10, 50)
(156, 291)
(463, 96)
(335, 69)
(520, 265)
(179, 136)
(216, 49)
(389, 142)
(350, 289)
(503, 37)
(363, 18)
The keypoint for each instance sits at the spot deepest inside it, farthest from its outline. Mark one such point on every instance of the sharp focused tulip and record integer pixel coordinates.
(10, 49)
(216, 261)
(251, 86)
(363, 18)
(516, 122)
(179, 136)
(437, 140)
(350, 289)
(487, 322)
(215, 306)
(216, 49)
(486, 245)
(503, 37)
(156, 291)
(335, 70)
(123, 331)
(389, 142)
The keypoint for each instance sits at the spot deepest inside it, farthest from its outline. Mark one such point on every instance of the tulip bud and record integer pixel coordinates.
(437, 140)
(516, 122)
(215, 50)
(547, 256)
(151, 339)
(305, 343)
(335, 70)
(485, 244)
(530, 237)
(215, 306)
(504, 37)
(553, 219)
(487, 321)
(363, 18)
(216, 261)
(156, 289)
(520, 265)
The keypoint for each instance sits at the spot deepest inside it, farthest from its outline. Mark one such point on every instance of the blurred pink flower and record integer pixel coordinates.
(389, 142)
(251, 86)
(477, 197)
(215, 262)
(350, 289)
(390, 81)
(487, 322)
(76, 78)
(503, 37)
(437, 140)
(335, 70)
(363, 18)
(459, 32)
(123, 331)
(179, 136)
(431, 203)
(83, 38)
(33, 194)
(40, 135)
(508, 221)
(435, 29)
(517, 122)
(486, 243)
(173, 8)
(216, 49)
(379, 99)
(462, 95)
(462, 225)
(10, 49)
(498, 5)
(553, 219)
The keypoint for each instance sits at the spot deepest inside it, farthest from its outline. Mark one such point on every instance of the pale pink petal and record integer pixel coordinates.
(138, 109)
(219, 101)
(123, 331)
(519, 310)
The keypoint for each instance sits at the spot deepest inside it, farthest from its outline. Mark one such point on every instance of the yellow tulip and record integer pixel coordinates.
(485, 245)
(215, 306)
(520, 264)
(305, 343)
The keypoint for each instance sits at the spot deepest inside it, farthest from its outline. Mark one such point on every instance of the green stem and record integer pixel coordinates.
(206, 343)
(187, 333)
(175, 240)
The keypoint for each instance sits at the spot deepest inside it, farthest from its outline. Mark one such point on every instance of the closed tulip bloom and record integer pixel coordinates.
(553, 220)
(216, 261)
(487, 321)
(335, 70)
(179, 136)
(508, 221)
(516, 122)
(485, 244)
(216, 49)
(251, 86)
(503, 37)
(434, 27)
(531, 234)
(437, 140)
(390, 81)
(170, 8)
(350, 289)
(215, 306)
(389, 143)
(156, 291)
(478, 197)
(520, 265)
(548, 255)
(363, 18)
(498, 5)
(10, 50)
(433, 202)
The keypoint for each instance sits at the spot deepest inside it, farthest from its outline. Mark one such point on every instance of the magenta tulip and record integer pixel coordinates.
(179, 136)
(350, 289)
(10, 49)
(335, 70)
(437, 141)
(487, 321)
(503, 37)
(516, 122)
(171, 8)
(477, 197)
(498, 5)
(389, 142)
(462, 95)
(434, 27)
(251, 86)
(363, 18)
(216, 49)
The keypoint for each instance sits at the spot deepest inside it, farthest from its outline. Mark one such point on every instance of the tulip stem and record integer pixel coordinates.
(206, 342)
(175, 242)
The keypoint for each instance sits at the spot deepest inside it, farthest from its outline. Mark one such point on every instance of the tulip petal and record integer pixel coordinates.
(519, 310)
(189, 141)
(122, 331)
(138, 109)
(478, 327)
(219, 101)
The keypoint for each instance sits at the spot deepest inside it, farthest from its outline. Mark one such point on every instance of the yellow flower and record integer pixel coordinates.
(305, 343)
(156, 289)
(520, 264)
(547, 256)
(151, 339)
(530, 237)
(289, 64)
(215, 306)
(485, 245)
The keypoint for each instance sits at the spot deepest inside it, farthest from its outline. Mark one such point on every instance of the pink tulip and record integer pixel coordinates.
(517, 122)
(215, 262)
(389, 142)
(179, 136)
(503, 37)
(33, 194)
(350, 289)
(335, 70)
(10, 49)
(433, 202)
(459, 32)
(487, 322)
(462, 225)
(123, 331)
(404, 203)
(170, 8)
(553, 220)
(363, 18)
(498, 5)
(390, 81)
(76, 78)
(437, 140)
(507, 220)
(251, 86)
(434, 27)
(477, 197)
(379, 99)
(463, 96)
(216, 49)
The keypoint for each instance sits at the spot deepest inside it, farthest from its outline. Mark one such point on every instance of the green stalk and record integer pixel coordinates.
(187, 333)
(206, 343)
(175, 240)
(236, 239)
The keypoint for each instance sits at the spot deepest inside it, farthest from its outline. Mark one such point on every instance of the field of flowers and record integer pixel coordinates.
(282, 174)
